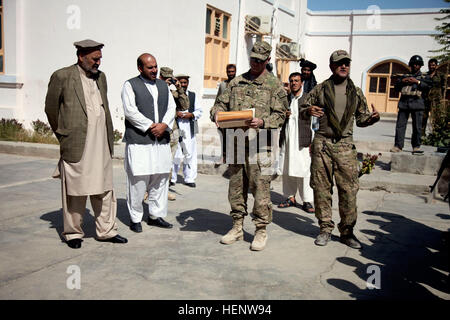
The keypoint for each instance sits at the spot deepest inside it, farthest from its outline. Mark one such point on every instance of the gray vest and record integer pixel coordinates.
(145, 105)
(193, 123)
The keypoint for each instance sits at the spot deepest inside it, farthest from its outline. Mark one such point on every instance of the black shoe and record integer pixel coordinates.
(351, 241)
(190, 184)
(323, 238)
(159, 222)
(115, 239)
(136, 227)
(171, 183)
(74, 243)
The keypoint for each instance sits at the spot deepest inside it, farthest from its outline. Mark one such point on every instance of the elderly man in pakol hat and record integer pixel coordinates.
(77, 109)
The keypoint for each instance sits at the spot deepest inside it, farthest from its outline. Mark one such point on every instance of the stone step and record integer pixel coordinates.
(417, 184)
(427, 163)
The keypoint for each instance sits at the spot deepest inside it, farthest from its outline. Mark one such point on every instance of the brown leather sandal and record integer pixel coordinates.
(290, 202)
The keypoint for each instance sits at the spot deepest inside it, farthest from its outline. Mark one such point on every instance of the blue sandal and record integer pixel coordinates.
(290, 202)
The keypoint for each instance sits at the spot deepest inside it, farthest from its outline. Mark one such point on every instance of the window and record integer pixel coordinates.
(2, 51)
(282, 64)
(217, 46)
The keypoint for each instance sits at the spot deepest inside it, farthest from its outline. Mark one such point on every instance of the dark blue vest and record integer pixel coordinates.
(193, 123)
(145, 105)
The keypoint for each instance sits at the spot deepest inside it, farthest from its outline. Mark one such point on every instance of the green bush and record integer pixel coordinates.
(42, 128)
(117, 135)
(13, 130)
(440, 119)
(10, 128)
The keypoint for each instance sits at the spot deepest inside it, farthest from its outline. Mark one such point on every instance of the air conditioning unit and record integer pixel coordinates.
(290, 50)
(258, 24)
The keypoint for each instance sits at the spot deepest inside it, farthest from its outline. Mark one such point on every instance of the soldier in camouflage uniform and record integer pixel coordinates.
(262, 91)
(337, 102)
(433, 96)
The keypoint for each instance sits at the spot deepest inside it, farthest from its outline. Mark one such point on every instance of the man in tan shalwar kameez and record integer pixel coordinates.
(77, 109)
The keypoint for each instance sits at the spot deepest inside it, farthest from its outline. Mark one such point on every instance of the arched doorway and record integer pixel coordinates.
(380, 89)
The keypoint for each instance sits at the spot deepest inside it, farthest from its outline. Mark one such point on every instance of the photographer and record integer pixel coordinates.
(182, 104)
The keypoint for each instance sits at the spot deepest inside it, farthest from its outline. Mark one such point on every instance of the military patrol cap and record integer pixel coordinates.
(182, 76)
(308, 64)
(166, 72)
(88, 44)
(261, 50)
(339, 55)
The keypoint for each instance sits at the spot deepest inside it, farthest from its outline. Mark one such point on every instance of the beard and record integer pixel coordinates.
(89, 69)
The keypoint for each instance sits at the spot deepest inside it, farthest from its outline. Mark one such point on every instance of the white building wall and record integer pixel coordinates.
(369, 38)
(173, 31)
(39, 40)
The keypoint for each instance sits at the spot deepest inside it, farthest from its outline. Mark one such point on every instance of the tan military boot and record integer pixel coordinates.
(260, 239)
(236, 233)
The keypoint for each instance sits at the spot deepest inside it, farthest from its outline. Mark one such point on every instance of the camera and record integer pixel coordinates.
(173, 81)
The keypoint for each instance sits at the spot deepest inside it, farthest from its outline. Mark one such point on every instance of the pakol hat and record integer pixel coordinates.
(88, 44)
(182, 76)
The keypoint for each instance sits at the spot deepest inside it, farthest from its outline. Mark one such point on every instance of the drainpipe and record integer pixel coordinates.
(352, 18)
(273, 27)
(236, 54)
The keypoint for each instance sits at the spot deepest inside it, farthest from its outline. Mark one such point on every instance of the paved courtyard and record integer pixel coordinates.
(405, 247)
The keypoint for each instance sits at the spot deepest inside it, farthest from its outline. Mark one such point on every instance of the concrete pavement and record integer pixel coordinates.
(401, 234)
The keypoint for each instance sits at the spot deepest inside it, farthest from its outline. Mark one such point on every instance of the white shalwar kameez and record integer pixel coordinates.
(295, 162)
(147, 166)
(190, 142)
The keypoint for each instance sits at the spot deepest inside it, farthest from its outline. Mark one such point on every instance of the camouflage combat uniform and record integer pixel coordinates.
(267, 96)
(182, 103)
(334, 154)
(433, 96)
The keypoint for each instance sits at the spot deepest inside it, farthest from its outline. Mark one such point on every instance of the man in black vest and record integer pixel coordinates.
(149, 110)
(187, 148)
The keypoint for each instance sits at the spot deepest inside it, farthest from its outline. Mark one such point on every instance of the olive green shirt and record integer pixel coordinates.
(316, 98)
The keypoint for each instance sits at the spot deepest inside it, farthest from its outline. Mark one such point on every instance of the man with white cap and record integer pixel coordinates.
(187, 148)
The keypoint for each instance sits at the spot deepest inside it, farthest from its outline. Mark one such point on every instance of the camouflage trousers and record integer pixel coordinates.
(338, 160)
(174, 136)
(242, 178)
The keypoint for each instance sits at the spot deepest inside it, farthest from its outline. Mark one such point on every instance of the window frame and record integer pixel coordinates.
(215, 72)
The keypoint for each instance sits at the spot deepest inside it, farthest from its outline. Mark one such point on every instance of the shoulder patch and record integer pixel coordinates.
(281, 94)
